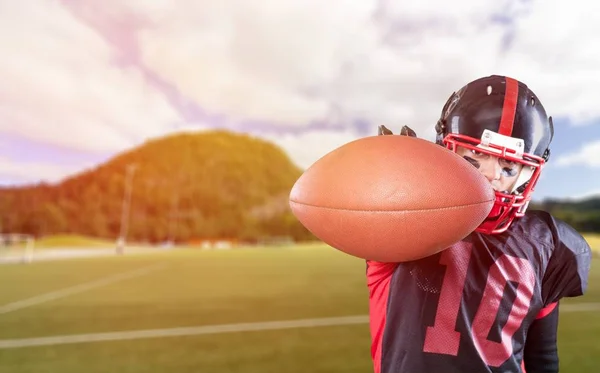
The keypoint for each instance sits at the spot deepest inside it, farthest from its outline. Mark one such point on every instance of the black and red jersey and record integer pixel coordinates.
(468, 308)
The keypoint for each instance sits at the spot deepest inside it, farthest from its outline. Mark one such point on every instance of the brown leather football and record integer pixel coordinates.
(391, 198)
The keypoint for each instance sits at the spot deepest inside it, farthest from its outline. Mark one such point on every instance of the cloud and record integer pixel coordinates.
(307, 76)
(269, 61)
(290, 63)
(294, 62)
(60, 84)
(588, 155)
(309, 146)
(555, 52)
(33, 171)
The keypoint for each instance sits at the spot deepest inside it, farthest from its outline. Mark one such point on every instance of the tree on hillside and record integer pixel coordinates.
(186, 187)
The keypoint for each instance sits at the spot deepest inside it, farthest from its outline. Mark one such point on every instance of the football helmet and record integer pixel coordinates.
(500, 116)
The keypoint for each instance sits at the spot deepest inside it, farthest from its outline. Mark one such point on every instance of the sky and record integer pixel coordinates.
(84, 80)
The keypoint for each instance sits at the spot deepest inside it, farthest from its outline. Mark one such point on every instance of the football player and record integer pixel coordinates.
(489, 303)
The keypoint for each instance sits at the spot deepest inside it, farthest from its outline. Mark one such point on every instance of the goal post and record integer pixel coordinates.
(16, 247)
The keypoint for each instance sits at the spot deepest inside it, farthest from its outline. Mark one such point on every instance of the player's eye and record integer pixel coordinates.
(509, 168)
(510, 172)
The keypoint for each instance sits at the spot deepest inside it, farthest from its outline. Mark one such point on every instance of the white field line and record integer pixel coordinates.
(69, 253)
(53, 295)
(217, 329)
(175, 332)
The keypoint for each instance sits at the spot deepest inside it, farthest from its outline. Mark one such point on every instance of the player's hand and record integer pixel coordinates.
(405, 131)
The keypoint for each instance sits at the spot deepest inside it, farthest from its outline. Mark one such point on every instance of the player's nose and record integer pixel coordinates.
(491, 169)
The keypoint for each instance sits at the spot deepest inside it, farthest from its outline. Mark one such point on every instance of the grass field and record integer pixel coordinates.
(43, 303)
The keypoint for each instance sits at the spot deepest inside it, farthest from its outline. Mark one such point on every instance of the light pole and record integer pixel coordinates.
(125, 209)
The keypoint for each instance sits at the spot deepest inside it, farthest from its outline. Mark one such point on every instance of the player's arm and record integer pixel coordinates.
(379, 276)
(541, 351)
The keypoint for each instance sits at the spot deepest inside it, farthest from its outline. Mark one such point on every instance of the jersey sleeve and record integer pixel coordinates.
(379, 276)
(569, 264)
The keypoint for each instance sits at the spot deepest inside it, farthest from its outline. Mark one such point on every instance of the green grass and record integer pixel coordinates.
(218, 287)
(593, 240)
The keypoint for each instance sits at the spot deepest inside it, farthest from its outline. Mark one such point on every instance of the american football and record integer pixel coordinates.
(391, 198)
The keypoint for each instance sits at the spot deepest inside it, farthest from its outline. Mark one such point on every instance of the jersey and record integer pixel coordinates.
(468, 308)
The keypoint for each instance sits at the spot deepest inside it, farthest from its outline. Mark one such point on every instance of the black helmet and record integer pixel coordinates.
(503, 117)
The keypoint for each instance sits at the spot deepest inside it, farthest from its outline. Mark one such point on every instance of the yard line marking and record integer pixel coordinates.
(53, 295)
(218, 329)
(186, 331)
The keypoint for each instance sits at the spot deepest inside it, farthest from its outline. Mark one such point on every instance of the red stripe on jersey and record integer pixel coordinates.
(509, 109)
(379, 276)
(546, 311)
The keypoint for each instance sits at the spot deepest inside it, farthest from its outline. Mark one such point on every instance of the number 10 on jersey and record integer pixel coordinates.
(442, 337)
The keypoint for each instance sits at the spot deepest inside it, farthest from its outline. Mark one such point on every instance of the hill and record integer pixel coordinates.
(213, 184)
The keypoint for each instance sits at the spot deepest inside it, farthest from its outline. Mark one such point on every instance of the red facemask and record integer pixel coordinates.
(507, 206)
